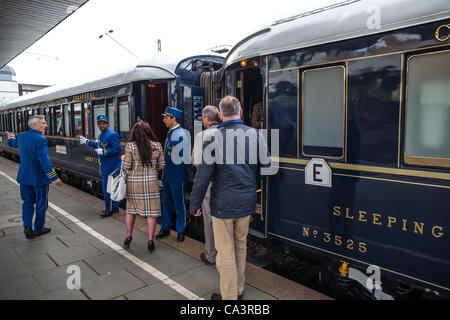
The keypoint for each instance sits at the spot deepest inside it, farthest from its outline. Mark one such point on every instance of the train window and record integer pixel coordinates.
(13, 122)
(323, 114)
(283, 110)
(29, 115)
(18, 121)
(49, 121)
(427, 132)
(57, 122)
(124, 118)
(87, 120)
(77, 120)
(21, 121)
(66, 120)
(99, 108)
(111, 116)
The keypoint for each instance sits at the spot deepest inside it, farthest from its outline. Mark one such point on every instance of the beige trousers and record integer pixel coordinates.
(230, 237)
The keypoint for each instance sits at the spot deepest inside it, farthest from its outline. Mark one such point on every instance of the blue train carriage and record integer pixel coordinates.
(140, 91)
(359, 93)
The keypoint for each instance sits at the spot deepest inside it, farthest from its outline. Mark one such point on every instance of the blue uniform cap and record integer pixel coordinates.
(173, 112)
(102, 117)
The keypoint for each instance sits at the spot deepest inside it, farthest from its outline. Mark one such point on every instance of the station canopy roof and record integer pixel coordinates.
(22, 23)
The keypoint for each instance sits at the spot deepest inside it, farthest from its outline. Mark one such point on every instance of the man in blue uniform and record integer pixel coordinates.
(35, 174)
(177, 157)
(108, 148)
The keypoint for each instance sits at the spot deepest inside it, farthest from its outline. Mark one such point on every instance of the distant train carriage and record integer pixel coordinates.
(360, 95)
(141, 91)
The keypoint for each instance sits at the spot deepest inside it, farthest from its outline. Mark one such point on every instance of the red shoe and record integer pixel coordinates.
(203, 258)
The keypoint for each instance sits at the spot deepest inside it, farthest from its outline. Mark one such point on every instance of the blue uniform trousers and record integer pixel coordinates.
(107, 196)
(34, 195)
(174, 196)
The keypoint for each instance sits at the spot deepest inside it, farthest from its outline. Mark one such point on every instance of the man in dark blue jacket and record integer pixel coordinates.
(35, 174)
(232, 161)
(108, 149)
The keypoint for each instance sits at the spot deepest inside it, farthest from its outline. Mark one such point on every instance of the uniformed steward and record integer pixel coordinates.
(35, 174)
(177, 158)
(108, 149)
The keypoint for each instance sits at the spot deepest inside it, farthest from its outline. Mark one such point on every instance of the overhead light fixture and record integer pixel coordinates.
(243, 63)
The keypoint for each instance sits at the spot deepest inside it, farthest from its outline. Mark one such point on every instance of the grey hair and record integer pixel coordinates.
(230, 106)
(35, 119)
(212, 112)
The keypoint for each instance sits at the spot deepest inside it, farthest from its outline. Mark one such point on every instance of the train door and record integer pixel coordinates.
(157, 101)
(249, 91)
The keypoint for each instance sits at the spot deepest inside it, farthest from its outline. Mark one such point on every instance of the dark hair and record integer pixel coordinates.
(142, 134)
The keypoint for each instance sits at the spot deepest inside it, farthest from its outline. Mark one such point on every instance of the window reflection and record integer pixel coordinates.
(283, 113)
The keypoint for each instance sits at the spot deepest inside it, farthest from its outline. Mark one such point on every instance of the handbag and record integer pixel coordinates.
(119, 185)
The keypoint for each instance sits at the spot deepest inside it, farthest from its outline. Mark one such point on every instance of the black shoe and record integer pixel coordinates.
(28, 232)
(218, 296)
(151, 246)
(44, 231)
(162, 234)
(180, 237)
(106, 214)
(127, 242)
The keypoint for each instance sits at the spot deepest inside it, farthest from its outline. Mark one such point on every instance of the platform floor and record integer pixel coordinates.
(43, 267)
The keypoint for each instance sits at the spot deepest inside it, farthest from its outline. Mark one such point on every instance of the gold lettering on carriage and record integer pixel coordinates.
(90, 159)
(439, 37)
(389, 222)
(84, 96)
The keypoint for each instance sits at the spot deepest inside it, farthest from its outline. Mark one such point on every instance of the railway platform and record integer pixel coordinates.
(82, 258)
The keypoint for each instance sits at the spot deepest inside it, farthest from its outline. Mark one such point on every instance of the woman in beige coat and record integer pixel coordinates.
(144, 157)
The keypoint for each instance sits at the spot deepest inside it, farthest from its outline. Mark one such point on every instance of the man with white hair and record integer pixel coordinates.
(35, 174)
(210, 118)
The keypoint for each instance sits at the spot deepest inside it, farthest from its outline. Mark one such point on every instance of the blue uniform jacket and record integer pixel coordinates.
(35, 168)
(109, 141)
(177, 145)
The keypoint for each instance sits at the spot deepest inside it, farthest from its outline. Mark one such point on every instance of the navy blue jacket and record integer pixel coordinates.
(35, 168)
(233, 189)
(177, 144)
(109, 141)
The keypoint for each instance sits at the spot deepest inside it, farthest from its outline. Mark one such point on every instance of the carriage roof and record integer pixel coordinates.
(340, 21)
(158, 67)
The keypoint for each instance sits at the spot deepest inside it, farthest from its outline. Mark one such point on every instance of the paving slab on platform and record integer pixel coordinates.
(39, 268)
